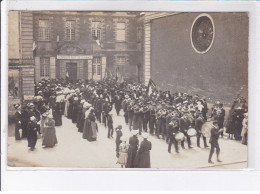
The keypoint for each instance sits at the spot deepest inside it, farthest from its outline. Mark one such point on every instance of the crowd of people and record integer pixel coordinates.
(174, 118)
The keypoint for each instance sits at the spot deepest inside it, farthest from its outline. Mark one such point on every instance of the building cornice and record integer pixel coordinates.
(87, 13)
(148, 16)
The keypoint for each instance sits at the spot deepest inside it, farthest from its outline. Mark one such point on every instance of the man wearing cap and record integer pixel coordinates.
(173, 128)
(133, 147)
(110, 126)
(184, 125)
(125, 104)
(32, 133)
(118, 102)
(152, 120)
(215, 131)
(118, 136)
(130, 112)
(198, 125)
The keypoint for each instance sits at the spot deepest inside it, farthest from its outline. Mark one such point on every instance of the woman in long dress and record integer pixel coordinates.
(244, 132)
(133, 147)
(43, 123)
(49, 138)
(92, 131)
(57, 114)
(18, 122)
(123, 152)
(66, 105)
(70, 108)
(143, 154)
(75, 109)
(87, 125)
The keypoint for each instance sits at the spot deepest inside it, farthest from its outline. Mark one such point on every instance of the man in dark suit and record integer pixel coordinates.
(172, 130)
(118, 136)
(184, 126)
(198, 125)
(215, 131)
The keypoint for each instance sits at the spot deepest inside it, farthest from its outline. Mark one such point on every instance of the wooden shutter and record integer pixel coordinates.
(104, 62)
(37, 69)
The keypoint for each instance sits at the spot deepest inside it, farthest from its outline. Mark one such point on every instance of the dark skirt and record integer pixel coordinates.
(81, 124)
(131, 157)
(57, 119)
(70, 109)
(32, 139)
(86, 128)
(142, 160)
(62, 107)
(17, 133)
(49, 138)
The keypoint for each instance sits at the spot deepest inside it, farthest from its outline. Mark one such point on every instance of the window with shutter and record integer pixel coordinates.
(96, 30)
(121, 31)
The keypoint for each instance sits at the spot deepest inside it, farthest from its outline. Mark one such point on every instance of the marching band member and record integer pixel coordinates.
(198, 125)
(184, 124)
(215, 131)
(173, 130)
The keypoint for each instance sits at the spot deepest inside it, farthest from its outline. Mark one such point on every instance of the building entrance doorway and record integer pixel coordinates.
(71, 71)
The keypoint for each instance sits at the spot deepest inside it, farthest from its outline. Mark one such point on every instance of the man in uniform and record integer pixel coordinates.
(184, 126)
(215, 131)
(172, 130)
(198, 124)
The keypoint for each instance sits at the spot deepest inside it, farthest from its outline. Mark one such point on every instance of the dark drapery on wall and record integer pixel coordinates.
(217, 74)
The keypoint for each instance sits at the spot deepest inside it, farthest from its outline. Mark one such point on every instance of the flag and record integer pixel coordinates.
(120, 79)
(34, 48)
(151, 86)
(97, 41)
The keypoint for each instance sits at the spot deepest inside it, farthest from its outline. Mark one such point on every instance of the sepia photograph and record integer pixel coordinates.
(128, 90)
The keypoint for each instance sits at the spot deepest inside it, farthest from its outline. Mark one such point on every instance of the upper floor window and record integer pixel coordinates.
(121, 31)
(44, 67)
(44, 29)
(70, 30)
(96, 30)
(97, 60)
(121, 60)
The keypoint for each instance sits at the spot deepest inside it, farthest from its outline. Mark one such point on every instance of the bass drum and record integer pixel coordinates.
(206, 129)
(191, 132)
(179, 136)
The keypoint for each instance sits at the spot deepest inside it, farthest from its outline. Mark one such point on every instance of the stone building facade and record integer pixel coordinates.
(85, 45)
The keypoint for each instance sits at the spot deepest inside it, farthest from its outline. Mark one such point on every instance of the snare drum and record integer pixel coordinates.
(205, 129)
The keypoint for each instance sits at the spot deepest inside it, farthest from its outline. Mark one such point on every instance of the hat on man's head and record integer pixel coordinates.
(16, 106)
(32, 118)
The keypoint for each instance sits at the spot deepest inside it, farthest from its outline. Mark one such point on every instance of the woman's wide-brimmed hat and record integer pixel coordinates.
(145, 135)
(135, 132)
